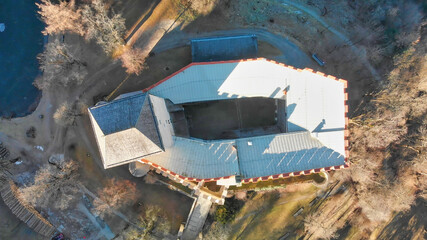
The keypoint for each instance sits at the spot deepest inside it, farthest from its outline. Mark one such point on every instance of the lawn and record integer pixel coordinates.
(273, 211)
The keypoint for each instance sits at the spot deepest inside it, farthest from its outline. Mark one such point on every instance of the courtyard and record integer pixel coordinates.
(234, 118)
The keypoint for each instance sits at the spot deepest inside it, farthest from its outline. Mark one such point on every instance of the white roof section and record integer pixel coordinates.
(206, 82)
(315, 103)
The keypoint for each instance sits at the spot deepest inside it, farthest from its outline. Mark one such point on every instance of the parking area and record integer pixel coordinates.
(234, 118)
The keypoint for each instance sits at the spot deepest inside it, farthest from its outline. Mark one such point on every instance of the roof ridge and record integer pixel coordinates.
(140, 110)
(118, 100)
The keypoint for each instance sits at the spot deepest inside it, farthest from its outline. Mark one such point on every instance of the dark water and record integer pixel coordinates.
(19, 45)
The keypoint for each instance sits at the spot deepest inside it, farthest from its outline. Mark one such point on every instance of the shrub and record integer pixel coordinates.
(227, 212)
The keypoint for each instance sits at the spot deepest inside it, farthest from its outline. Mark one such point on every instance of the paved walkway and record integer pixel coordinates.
(197, 219)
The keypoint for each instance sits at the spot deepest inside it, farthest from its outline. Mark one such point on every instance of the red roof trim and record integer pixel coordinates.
(244, 60)
(284, 175)
(305, 172)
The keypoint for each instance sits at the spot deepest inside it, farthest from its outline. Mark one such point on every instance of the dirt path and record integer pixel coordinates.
(344, 38)
(293, 55)
(104, 231)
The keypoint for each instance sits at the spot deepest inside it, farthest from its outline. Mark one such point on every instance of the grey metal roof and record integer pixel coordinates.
(255, 156)
(284, 153)
(198, 159)
(118, 115)
(224, 48)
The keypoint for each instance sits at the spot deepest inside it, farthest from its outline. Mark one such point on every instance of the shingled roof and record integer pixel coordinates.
(125, 130)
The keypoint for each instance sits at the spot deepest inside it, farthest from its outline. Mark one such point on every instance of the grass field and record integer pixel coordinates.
(273, 211)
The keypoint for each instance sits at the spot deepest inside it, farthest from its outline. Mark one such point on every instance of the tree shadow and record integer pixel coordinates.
(404, 225)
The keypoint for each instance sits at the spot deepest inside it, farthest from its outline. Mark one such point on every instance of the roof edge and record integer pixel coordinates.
(247, 180)
(246, 60)
(106, 166)
(115, 101)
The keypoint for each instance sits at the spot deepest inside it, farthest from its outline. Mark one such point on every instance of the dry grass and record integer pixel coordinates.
(272, 211)
(267, 50)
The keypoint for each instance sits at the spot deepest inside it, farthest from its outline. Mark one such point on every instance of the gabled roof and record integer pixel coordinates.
(125, 130)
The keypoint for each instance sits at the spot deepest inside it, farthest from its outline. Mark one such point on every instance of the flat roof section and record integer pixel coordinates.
(224, 48)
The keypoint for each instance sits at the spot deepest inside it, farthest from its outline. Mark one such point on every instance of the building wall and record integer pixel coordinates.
(281, 115)
(164, 122)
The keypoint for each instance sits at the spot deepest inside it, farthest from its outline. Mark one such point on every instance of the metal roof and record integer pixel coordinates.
(224, 48)
(284, 153)
(255, 156)
(198, 159)
(206, 82)
(315, 116)
(314, 102)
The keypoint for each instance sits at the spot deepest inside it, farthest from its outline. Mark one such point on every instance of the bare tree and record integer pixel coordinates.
(53, 186)
(67, 113)
(114, 195)
(317, 226)
(152, 224)
(133, 60)
(61, 17)
(381, 199)
(60, 66)
(104, 26)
